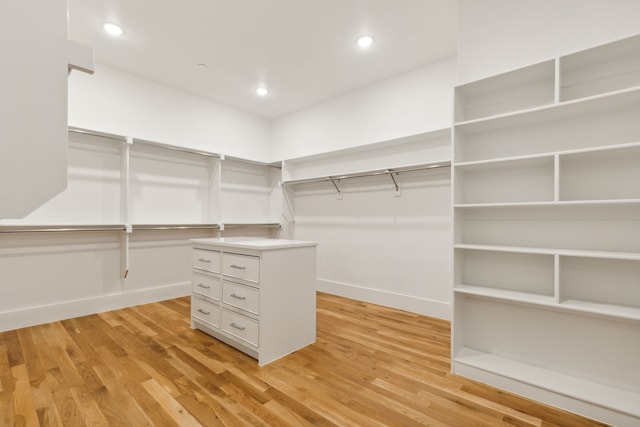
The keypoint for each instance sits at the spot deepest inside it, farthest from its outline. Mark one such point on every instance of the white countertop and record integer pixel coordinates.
(257, 243)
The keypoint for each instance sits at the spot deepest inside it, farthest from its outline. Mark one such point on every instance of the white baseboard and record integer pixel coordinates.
(31, 316)
(438, 309)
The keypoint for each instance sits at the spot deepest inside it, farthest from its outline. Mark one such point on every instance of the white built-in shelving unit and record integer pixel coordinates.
(395, 191)
(546, 196)
(425, 150)
(119, 233)
(420, 152)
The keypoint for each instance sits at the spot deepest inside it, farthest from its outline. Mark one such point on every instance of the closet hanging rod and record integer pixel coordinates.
(96, 133)
(332, 178)
(175, 227)
(174, 148)
(57, 229)
(255, 225)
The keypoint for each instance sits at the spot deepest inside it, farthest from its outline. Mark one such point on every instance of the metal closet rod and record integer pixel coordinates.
(269, 225)
(332, 178)
(175, 227)
(134, 227)
(57, 229)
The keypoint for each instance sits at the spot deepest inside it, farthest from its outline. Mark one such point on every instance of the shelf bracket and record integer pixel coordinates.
(391, 173)
(333, 181)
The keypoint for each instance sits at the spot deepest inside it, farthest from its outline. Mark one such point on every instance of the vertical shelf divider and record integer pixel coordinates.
(125, 207)
(557, 83)
(556, 178)
(556, 278)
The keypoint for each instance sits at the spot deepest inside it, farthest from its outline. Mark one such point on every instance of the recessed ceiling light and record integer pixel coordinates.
(365, 41)
(262, 91)
(202, 65)
(112, 29)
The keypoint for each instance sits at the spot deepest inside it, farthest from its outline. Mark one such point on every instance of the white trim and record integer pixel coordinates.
(31, 316)
(414, 304)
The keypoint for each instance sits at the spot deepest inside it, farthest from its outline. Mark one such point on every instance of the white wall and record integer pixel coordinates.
(123, 104)
(394, 251)
(412, 103)
(33, 104)
(500, 35)
(373, 246)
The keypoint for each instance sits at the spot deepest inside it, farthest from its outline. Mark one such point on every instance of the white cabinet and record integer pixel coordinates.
(257, 295)
(546, 178)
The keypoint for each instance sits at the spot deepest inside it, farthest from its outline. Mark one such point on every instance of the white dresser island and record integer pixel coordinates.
(255, 294)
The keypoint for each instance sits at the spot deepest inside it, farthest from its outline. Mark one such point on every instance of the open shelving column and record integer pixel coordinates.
(546, 195)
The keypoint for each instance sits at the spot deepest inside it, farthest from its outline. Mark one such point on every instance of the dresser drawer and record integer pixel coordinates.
(240, 296)
(206, 260)
(240, 326)
(207, 286)
(245, 267)
(205, 311)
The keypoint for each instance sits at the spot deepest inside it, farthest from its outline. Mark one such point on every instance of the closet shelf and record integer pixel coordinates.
(372, 172)
(552, 380)
(115, 138)
(499, 160)
(547, 301)
(505, 294)
(634, 256)
(606, 202)
(137, 141)
(614, 99)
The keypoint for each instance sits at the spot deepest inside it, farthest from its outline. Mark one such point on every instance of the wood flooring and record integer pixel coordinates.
(144, 366)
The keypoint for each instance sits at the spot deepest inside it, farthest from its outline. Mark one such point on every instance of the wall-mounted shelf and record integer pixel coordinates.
(124, 223)
(367, 173)
(547, 231)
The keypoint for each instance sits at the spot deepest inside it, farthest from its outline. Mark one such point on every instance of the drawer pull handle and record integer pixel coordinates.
(239, 267)
(240, 328)
(238, 297)
(206, 313)
(203, 286)
(204, 260)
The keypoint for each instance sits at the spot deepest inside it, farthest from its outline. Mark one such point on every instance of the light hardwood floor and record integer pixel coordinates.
(370, 366)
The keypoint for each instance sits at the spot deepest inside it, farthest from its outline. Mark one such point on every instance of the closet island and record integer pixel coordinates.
(255, 294)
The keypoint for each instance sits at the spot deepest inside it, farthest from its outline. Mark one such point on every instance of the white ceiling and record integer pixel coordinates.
(304, 51)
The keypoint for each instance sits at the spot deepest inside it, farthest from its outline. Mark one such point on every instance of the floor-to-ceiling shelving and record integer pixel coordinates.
(546, 176)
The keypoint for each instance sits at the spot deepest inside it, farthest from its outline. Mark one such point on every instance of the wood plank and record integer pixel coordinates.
(176, 411)
(144, 365)
(24, 408)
